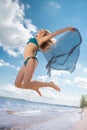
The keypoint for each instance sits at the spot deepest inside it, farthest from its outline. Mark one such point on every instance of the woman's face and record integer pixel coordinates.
(41, 33)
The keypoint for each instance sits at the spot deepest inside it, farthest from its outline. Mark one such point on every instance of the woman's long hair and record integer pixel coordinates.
(46, 45)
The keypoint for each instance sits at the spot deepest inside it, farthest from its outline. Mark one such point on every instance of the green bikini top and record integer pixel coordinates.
(34, 41)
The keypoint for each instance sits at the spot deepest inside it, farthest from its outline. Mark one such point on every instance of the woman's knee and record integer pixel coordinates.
(27, 85)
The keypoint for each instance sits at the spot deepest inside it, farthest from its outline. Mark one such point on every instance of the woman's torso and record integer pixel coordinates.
(31, 48)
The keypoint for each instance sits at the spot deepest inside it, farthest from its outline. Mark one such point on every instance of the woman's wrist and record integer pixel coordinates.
(70, 28)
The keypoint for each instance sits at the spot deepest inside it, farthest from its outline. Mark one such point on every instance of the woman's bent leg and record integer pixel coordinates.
(24, 77)
(19, 78)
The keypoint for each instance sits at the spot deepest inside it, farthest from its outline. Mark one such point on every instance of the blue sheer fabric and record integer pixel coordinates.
(64, 54)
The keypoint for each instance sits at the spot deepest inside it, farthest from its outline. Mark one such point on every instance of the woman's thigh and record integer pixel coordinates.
(20, 76)
(29, 70)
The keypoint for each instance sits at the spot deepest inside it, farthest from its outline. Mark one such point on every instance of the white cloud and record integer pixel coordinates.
(58, 72)
(27, 6)
(54, 4)
(12, 52)
(3, 63)
(7, 64)
(81, 82)
(56, 77)
(68, 100)
(49, 95)
(85, 70)
(67, 81)
(51, 7)
(42, 78)
(79, 66)
(15, 30)
(46, 78)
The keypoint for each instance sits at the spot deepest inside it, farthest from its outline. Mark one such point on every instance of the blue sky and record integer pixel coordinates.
(19, 20)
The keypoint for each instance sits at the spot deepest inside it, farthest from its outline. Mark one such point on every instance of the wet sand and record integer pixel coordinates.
(82, 124)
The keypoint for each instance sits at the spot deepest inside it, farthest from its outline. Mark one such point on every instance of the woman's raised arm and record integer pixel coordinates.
(51, 35)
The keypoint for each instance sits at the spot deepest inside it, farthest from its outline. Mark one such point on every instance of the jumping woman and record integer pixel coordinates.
(42, 41)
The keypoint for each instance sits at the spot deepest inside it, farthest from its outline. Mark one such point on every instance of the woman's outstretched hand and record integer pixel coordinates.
(72, 29)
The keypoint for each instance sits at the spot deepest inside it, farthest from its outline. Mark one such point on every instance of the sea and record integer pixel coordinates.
(21, 114)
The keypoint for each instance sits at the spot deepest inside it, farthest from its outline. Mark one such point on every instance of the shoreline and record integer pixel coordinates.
(50, 120)
(36, 116)
(82, 124)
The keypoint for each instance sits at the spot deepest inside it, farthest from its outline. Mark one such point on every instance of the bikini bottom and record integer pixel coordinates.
(26, 61)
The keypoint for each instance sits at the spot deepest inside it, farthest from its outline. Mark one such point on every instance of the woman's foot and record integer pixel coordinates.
(54, 86)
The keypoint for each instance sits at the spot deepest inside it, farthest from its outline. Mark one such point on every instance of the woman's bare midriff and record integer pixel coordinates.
(30, 50)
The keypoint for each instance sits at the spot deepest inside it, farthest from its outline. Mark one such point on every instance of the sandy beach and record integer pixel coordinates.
(65, 122)
(82, 124)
